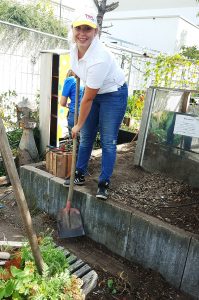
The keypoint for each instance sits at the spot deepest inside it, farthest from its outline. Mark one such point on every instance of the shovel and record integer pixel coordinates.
(69, 220)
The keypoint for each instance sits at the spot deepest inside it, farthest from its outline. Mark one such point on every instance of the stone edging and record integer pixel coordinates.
(133, 235)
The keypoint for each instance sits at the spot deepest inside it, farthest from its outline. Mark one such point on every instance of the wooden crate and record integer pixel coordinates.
(58, 163)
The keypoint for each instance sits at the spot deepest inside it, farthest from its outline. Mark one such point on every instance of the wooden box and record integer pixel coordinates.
(59, 163)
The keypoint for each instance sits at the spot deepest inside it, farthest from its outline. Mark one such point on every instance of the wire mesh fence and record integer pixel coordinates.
(144, 70)
(20, 63)
(20, 58)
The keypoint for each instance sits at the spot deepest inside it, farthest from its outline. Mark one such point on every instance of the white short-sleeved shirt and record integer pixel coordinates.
(97, 68)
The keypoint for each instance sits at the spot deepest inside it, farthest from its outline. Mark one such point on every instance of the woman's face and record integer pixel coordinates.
(83, 35)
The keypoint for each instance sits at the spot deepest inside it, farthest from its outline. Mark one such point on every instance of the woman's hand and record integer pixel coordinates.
(85, 108)
(75, 131)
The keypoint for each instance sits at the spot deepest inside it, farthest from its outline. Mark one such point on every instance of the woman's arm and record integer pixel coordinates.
(63, 101)
(85, 107)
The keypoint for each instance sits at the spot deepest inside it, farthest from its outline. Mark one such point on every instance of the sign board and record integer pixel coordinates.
(186, 125)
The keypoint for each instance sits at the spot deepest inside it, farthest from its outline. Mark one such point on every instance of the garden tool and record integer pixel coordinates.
(69, 220)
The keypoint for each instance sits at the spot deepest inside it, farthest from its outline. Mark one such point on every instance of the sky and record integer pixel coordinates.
(188, 13)
(77, 3)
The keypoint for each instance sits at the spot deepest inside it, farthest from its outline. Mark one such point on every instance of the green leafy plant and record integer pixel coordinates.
(190, 52)
(24, 282)
(9, 117)
(7, 108)
(52, 256)
(119, 285)
(134, 110)
(159, 127)
(135, 105)
(112, 286)
(174, 71)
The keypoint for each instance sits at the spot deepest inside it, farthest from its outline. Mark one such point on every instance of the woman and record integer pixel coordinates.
(69, 91)
(104, 101)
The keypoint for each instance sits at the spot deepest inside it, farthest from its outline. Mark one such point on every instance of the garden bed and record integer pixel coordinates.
(155, 194)
(158, 195)
(132, 188)
(117, 278)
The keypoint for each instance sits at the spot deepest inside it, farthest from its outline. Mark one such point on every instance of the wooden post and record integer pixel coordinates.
(20, 197)
(185, 101)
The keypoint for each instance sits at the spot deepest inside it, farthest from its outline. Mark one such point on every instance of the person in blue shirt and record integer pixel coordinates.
(68, 92)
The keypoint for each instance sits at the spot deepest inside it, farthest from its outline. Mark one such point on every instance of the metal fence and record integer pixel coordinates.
(20, 58)
(141, 70)
(20, 62)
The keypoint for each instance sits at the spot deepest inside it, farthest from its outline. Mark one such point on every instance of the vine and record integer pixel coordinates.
(173, 71)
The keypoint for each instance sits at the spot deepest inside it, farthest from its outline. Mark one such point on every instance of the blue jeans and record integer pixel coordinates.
(106, 115)
(70, 119)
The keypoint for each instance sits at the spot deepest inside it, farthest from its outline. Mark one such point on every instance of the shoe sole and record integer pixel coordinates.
(101, 197)
(67, 185)
(79, 183)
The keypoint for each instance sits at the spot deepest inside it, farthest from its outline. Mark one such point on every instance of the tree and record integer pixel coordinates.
(190, 52)
(102, 9)
(38, 15)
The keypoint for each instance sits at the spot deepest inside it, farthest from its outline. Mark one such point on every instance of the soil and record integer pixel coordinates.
(156, 194)
(118, 279)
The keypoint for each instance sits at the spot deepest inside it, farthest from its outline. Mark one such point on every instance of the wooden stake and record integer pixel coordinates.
(20, 197)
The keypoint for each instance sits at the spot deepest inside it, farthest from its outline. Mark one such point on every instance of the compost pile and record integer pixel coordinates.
(159, 195)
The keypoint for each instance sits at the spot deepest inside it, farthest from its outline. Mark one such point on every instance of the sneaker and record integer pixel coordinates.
(79, 179)
(102, 191)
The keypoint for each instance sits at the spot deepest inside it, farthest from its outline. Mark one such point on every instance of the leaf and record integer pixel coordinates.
(2, 293)
(114, 291)
(16, 272)
(9, 288)
(16, 296)
(110, 283)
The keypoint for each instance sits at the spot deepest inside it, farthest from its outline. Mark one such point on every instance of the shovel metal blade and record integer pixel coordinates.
(69, 223)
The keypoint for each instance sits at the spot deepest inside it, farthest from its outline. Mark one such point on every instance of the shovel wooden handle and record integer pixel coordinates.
(74, 154)
(20, 197)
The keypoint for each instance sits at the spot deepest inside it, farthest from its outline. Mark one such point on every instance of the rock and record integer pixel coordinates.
(4, 255)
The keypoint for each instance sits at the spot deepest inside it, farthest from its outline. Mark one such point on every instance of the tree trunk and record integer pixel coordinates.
(102, 9)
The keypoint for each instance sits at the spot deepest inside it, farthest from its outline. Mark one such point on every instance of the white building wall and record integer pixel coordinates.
(189, 13)
(151, 33)
(166, 34)
(187, 35)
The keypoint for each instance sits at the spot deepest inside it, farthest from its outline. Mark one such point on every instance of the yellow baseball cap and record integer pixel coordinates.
(85, 19)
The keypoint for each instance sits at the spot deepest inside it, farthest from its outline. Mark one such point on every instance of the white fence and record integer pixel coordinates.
(20, 62)
(20, 58)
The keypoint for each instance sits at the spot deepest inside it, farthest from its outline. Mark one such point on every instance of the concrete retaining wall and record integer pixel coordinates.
(131, 234)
